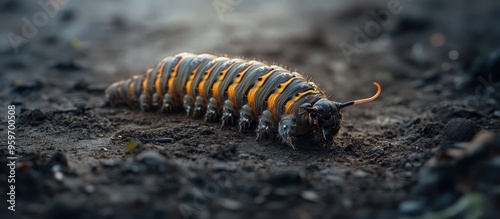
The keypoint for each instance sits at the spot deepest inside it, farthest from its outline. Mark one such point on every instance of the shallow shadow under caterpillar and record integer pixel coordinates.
(267, 98)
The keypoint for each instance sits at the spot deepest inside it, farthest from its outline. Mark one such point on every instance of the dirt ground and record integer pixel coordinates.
(437, 62)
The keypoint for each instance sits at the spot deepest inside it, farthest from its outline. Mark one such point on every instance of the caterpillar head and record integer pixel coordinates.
(324, 116)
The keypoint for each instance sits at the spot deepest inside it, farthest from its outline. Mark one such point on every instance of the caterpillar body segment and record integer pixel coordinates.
(266, 98)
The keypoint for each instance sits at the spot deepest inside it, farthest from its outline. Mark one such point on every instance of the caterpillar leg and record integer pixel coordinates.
(212, 110)
(245, 122)
(156, 101)
(264, 126)
(199, 107)
(228, 113)
(167, 104)
(188, 105)
(143, 103)
(287, 131)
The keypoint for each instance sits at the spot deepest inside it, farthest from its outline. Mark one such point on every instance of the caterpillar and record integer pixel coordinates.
(266, 98)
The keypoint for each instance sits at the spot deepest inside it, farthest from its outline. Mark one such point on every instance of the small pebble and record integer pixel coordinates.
(335, 179)
(130, 167)
(244, 156)
(164, 140)
(460, 129)
(229, 204)
(453, 55)
(108, 162)
(90, 189)
(359, 173)
(496, 114)
(259, 199)
(116, 137)
(309, 196)
(281, 163)
(59, 176)
(411, 207)
(325, 171)
(346, 202)
(151, 158)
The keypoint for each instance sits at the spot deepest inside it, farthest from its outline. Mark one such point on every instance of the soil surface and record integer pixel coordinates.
(437, 62)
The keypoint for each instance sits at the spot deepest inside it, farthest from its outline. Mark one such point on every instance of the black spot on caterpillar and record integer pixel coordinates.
(267, 98)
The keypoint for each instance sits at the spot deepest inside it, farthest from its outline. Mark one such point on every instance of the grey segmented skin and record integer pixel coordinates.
(256, 96)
